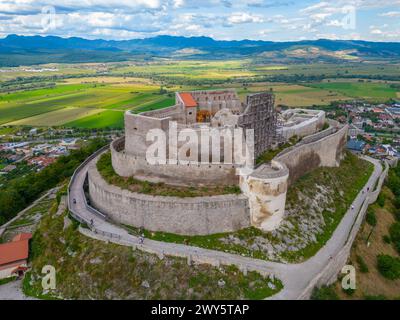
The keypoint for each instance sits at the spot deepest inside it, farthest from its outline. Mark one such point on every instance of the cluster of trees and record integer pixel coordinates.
(22, 191)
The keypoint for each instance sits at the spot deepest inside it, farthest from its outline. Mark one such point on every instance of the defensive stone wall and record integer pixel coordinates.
(127, 165)
(312, 121)
(186, 216)
(267, 186)
(324, 149)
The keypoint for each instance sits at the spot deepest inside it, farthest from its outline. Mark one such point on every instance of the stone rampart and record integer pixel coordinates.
(313, 121)
(127, 165)
(324, 149)
(187, 216)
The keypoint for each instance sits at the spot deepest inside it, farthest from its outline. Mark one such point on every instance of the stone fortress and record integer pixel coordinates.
(261, 202)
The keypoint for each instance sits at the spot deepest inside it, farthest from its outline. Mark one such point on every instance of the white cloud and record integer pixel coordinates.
(392, 34)
(243, 17)
(391, 14)
(124, 19)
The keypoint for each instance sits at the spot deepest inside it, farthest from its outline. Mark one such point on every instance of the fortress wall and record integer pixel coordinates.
(186, 216)
(136, 129)
(215, 100)
(305, 128)
(127, 165)
(267, 186)
(324, 149)
(174, 113)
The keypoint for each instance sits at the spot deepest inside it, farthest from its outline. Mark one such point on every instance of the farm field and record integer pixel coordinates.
(368, 91)
(58, 117)
(97, 95)
(296, 95)
(106, 118)
(193, 69)
(66, 103)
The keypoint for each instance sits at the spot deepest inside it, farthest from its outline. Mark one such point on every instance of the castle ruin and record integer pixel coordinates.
(262, 200)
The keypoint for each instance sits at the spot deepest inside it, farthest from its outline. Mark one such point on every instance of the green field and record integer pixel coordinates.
(80, 105)
(58, 117)
(82, 99)
(104, 119)
(366, 90)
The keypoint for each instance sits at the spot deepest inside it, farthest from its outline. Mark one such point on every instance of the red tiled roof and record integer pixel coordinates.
(15, 250)
(188, 100)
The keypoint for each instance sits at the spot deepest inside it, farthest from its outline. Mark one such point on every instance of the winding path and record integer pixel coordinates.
(298, 279)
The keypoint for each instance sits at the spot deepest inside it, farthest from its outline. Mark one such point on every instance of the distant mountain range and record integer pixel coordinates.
(25, 50)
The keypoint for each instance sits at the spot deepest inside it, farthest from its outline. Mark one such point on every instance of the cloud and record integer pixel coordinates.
(124, 19)
(391, 14)
(268, 4)
(243, 17)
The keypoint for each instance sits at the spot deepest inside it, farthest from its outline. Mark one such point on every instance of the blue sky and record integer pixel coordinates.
(276, 20)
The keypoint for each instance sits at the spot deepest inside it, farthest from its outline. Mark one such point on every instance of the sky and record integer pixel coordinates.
(275, 20)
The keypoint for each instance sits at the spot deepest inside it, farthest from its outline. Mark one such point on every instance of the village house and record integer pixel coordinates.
(14, 256)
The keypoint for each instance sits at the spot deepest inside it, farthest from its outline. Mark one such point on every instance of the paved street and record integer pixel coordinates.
(13, 291)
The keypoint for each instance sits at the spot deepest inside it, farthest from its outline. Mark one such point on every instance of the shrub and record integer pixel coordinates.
(389, 266)
(324, 293)
(394, 232)
(371, 217)
(349, 291)
(396, 203)
(361, 264)
(396, 214)
(386, 239)
(375, 297)
(381, 200)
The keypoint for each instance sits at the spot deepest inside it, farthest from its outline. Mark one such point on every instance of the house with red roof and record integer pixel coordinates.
(14, 256)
